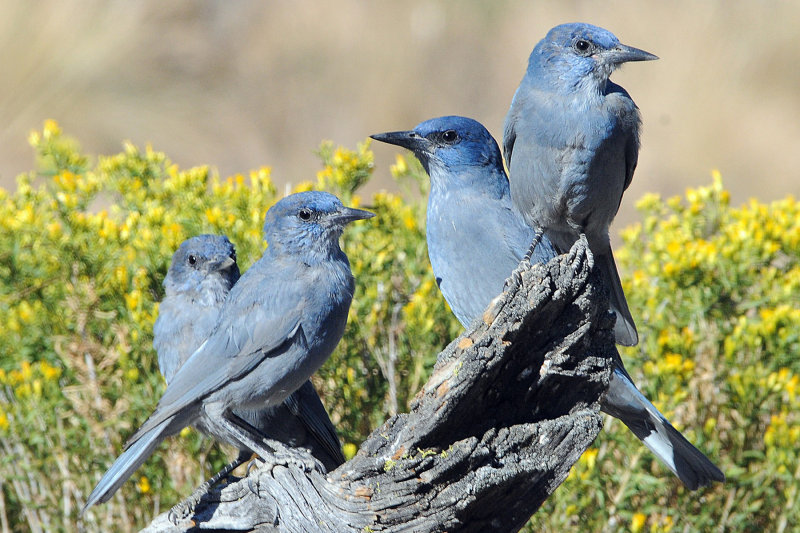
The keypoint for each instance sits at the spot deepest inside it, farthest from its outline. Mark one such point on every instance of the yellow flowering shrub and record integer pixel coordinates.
(85, 247)
(715, 293)
(85, 244)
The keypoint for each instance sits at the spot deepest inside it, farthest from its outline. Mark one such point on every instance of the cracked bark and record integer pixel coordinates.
(511, 405)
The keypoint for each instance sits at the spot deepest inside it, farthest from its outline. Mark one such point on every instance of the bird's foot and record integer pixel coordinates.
(579, 253)
(581, 246)
(537, 238)
(286, 456)
(186, 508)
(515, 279)
(281, 456)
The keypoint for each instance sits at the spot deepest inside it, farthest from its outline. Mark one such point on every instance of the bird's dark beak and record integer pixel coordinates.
(224, 263)
(350, 214)
(407, 139)
(623, 53)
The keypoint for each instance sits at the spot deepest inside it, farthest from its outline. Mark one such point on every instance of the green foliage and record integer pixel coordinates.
(84, 247)
(715, 294)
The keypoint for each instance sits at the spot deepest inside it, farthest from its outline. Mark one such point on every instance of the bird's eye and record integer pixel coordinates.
(192, 260)
(304, 214)
(450, 136)
(583, 47)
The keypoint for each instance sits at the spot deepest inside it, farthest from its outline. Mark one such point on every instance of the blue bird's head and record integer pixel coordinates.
(202, 263)
(309, 222)
(577, 54)
(451, 148)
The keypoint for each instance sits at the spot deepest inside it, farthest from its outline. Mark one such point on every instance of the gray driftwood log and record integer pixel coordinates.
(511, 405)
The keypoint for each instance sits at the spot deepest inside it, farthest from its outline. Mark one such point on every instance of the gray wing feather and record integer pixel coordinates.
(306, 404)
(233, 349)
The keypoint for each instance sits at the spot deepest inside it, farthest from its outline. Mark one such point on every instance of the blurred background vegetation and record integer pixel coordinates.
(85, 243)
(237, 83)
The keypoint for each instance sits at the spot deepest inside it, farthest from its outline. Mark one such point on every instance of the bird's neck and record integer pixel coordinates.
(590, 85)
(318, 254)
(470, 180)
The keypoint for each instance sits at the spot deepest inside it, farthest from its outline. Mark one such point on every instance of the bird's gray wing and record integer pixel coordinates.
(476, 246)
(168, 335)
(250, 330)
(509, 135)
(623, 107)
(631, 158)
(181, 327)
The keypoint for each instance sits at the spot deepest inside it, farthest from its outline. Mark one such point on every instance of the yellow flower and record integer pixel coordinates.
(26, 370)
(260, 179)
(589, 457)
(400, 166)
(637, 522)
(143, 485)
(349, 450)
(133, 299)
(34, 138)
(648, 201)
(49, 372)
(51, 129)
(674, 248)
(674, 203)
(303, 186)
(25, 312)
(213, 214)
(409, 221)
(53, 229)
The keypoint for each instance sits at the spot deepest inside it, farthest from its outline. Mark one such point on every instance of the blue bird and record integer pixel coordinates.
(280, 322)
(571, 141)
(476, 239)
(202, 272)
(462, 158)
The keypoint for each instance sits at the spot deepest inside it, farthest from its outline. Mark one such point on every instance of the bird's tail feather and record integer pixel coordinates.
(624, 329)
(315, 418)
(126, 464)
(624, 401)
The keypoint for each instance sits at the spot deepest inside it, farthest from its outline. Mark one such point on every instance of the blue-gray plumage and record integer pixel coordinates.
(476, 238)
(280, 322)
(198, 281)
(461, 157)
(571, 144)
(201, 274)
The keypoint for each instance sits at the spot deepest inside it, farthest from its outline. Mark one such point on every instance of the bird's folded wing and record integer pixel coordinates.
(233, 350)
(631, 159)
(509, 138)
